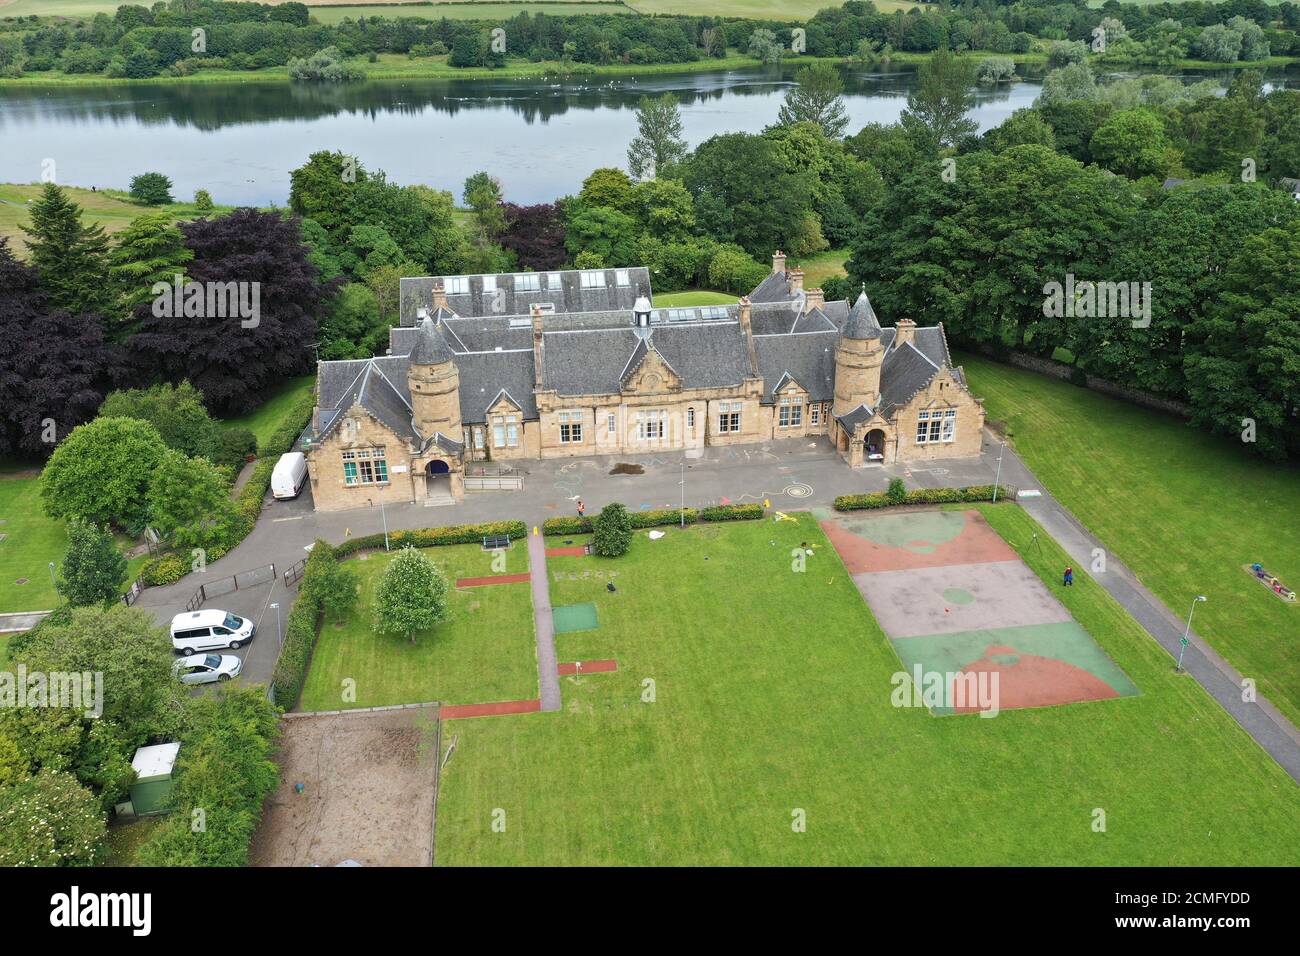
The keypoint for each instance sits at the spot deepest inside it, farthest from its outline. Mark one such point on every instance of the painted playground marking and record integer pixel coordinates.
(798, 489)
(587, 667)
(959, 605)
(498, 709)
(492, 579)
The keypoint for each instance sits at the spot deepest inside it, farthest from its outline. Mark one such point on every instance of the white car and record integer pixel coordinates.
(210, 629)
(206, 668)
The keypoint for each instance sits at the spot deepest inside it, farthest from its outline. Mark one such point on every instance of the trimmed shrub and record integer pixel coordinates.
(165, 569)
(657, 518)
(897, 491)
(613, 531)
(750, 512)
(921, 496)
(236, 444)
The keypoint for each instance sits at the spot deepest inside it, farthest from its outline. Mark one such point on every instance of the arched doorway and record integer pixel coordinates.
(873, 447)
(437, 479)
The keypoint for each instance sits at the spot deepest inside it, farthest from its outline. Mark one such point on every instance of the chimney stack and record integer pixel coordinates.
(904, 332)
(746, 329)
(815, 300)
(536, 311)
(440, 297)
(796, 280)
(778, 262)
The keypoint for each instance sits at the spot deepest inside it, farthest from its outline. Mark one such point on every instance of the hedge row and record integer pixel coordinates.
(921, 496)
(433, 537)
(300, 631)
(658, 518)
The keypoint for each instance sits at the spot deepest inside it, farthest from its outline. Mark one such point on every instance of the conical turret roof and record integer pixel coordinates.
(862, 322)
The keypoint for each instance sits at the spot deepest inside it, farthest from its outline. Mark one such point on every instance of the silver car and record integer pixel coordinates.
(206, 668)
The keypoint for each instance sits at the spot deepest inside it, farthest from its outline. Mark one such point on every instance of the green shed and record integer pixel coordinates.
(153, 777)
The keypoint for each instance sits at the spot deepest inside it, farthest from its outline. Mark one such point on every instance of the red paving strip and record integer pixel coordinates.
(587, 667)
(976, 544)
(498, 709)
(493, 579)
(577, 552)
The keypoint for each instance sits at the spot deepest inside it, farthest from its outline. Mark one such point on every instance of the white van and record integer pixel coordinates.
(206, 630)
(289, 474)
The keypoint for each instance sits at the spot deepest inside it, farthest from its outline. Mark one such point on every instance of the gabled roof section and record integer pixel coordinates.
(851, 419)
(862, 322)
(904, 372)
(634, 361)
(807, 358)
(775, 288)
(368, 386)
(814, 320)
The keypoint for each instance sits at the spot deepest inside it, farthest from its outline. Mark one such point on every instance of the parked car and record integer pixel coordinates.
(288, 475)
(208, 629)
(206, 668)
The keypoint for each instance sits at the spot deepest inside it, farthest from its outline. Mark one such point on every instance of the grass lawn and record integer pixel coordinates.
(486, 652)
(32, 541)
(112, 209)
(1183, 509)
(772, 693)
(267, 417)
(695, 297)
(4, 649)
(825, 265)
(461, 10)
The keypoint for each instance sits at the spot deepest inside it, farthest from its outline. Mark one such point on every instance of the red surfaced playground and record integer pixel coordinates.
(955, 599)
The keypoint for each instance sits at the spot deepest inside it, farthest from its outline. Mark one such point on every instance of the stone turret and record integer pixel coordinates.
(434, 383)
(858, 357)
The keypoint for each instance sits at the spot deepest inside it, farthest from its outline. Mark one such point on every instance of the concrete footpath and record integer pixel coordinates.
(548, 671)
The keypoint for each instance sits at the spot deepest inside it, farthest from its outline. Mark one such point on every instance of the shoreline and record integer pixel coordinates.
(399, 67)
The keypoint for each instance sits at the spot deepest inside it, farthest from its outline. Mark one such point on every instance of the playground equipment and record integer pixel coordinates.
(1271, 582)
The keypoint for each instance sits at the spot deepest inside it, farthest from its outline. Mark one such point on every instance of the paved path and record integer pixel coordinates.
(1261, 720)
(547, 670)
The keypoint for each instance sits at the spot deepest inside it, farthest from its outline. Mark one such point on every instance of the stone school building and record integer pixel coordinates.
(496, 368)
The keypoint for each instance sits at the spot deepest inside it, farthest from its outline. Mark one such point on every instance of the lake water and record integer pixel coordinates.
(239, 140)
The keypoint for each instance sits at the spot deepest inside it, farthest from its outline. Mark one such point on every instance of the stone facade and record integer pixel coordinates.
(545, 385)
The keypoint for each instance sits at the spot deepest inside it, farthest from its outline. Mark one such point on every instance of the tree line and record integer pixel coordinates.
(182, 36)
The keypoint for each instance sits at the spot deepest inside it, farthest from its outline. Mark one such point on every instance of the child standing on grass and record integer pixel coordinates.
(1069, 577)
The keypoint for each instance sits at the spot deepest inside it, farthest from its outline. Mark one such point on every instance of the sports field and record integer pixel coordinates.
(750, 720)
(967, 616)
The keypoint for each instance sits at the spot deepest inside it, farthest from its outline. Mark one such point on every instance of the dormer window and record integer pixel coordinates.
(593, 279)
(456, 285)
(528, 282)
(489, 284)
(621, 278)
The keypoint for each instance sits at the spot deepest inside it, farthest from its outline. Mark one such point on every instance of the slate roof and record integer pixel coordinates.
(431, 346)
(483, 375)
(904, 372)
(370, 384)
(775, 288)
(563, 290)
(850, 420)
(862, 322)
(809, 359)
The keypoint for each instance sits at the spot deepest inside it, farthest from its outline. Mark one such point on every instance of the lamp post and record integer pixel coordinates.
(279, 635)
(1182, 644)
(682, 514)
(998, 479)
(52, 581)
(384, 515)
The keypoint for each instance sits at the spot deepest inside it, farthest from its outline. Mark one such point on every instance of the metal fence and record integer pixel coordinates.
(294, 572)
(493, 477)
(236, 582)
